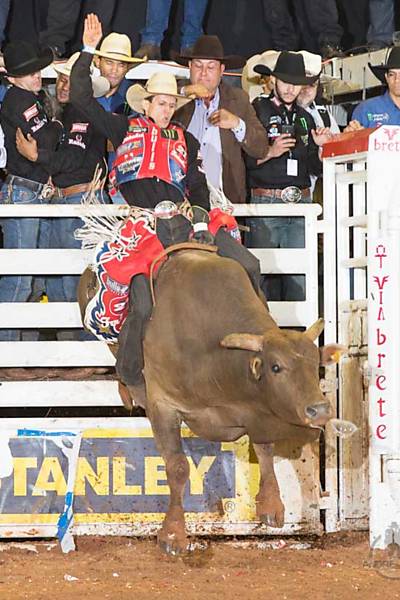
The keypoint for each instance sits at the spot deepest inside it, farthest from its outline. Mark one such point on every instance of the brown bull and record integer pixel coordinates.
(215, 359)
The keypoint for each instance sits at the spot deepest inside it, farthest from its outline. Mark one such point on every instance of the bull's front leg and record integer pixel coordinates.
(270, 509)
(166, 426)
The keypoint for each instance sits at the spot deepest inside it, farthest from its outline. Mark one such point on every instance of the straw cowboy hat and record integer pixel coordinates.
(209, 47)
(290, 68)
(251, 81)
(392, 62)
(100, 84)
(23, 58)
(117, 46)
(159, 83)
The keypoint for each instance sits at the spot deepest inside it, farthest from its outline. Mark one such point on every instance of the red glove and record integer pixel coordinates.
(219, 218)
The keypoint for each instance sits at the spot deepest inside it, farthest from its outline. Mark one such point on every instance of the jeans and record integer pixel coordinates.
(157, 21)
(278, 232)
(20, 233)
(4, 9)
(64, 288)
(381, 21)
(63, 15)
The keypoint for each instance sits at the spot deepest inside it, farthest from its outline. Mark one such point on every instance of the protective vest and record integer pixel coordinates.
(149, 151)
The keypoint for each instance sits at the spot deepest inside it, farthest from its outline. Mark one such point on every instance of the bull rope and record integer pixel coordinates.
(175, 248)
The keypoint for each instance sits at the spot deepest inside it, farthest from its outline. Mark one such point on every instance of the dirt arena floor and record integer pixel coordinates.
(336, 566)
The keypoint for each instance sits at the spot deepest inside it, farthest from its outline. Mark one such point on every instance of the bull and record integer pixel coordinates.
(216, 360)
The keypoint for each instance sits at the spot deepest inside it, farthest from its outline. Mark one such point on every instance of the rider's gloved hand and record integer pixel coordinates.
(201, 234)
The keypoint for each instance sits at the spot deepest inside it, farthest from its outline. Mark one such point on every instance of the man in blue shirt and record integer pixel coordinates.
(385, 109)
(114, 59)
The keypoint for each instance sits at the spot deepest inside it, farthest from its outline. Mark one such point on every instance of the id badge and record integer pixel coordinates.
(292, 167)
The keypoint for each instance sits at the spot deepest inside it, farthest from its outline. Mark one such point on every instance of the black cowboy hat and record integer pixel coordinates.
(209, 47)
(289, 68)
(23, 58)
(392, 62)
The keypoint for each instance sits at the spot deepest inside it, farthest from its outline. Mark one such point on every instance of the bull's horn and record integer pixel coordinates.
(315, 330)
(243, 341)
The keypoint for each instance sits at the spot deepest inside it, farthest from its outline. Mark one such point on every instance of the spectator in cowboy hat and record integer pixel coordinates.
(254, 83)
(71, 166)
(283, 174)
(114, 59)
(27, 182)
(384, 109)
(224, 122)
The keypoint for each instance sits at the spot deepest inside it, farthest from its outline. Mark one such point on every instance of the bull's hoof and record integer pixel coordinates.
(125, 395)
(138, 394)
(173, 544)
(271, 511)
(272, 520)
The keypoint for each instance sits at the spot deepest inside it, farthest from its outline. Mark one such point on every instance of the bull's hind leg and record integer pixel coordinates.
(270, 509)
(166, 426)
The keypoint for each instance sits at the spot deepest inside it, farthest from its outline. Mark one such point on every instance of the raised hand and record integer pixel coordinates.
(92, 31)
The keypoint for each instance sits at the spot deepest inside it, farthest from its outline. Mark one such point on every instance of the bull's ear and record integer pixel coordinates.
(331, 354)
(315, 330)
(256, 365)
(243, 341)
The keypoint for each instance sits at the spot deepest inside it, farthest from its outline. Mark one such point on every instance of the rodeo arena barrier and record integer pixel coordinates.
(104, 475)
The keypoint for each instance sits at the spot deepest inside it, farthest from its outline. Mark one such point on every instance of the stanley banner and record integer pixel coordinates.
(120, 477)
(110, 476)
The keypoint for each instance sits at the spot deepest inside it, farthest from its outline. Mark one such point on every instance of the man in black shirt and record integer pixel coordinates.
(71, 166)
(24, 107)
(283, 175)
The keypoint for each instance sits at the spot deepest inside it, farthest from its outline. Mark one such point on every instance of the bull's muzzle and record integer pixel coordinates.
(318, 414)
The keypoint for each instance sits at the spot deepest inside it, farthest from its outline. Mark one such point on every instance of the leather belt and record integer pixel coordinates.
(71, 190)
(276, 193)
(34, 186)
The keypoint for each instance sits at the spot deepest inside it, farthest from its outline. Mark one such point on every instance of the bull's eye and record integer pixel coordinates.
(275, 368)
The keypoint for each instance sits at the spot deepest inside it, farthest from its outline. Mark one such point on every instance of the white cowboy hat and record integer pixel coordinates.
(159, 83)
(117, 46)
(251, 81)
(100, 84)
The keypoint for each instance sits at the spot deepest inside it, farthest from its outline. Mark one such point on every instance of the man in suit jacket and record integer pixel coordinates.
(222, 120)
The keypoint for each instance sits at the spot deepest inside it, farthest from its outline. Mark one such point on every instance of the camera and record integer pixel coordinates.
(288, 129)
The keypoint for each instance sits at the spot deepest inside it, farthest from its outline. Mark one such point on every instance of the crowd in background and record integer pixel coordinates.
(259, 150)
(244, 26)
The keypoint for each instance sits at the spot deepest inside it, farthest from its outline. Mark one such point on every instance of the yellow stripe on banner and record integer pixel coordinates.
(128, 433)
(117, 518)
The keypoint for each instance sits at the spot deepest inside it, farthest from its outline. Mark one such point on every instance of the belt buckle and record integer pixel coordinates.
(47, 191)
(291, 194)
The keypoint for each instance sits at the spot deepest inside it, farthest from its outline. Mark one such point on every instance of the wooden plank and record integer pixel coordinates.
(292, 314)
(59, 315)
(353, 452)
(59, 393)
(61, 210)
(44, 262)
(55, 354)
(55, 315)
(283, 260)
(276, 210)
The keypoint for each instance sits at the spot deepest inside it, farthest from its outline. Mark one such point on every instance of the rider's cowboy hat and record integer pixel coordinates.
(23, 58)
(289, 68)
(117, 46)
(392, 62)
(159, 83)
(209, 47)
(100, 84)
